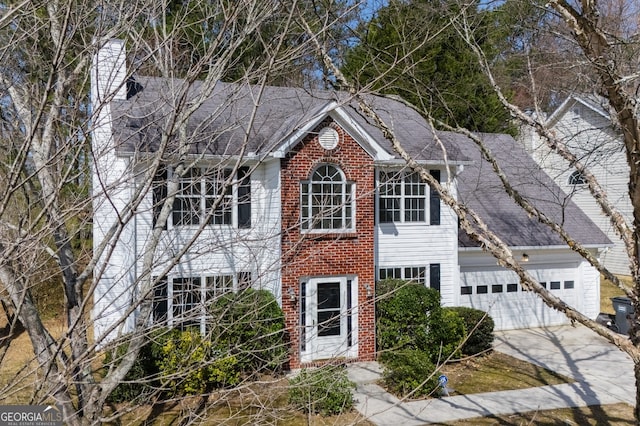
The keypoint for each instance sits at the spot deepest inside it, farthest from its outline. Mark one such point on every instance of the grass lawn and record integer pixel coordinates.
(259, 403)
(609, 290)
(496, 372)
(612, 415)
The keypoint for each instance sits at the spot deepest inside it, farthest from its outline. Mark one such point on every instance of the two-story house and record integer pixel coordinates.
(297, 192)
(583, 123)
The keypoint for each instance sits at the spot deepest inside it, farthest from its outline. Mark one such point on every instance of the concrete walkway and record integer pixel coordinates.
(603, 375)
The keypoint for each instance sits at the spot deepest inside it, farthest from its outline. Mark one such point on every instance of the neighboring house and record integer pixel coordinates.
(318, 208)
(585, 126)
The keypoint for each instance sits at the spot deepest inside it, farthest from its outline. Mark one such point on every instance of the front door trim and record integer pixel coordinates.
(314, 347)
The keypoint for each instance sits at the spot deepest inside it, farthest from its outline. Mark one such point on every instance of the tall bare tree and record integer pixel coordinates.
(45, 207)
(47, 51)
(602, 41)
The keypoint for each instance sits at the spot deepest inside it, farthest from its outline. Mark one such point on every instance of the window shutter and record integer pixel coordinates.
(159, 190)
(349, 315)
(160, 302)
(303, 316)
(434, 201)
(434, 276)
(244, 198)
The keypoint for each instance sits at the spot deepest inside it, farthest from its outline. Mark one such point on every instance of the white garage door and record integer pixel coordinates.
(500, 293)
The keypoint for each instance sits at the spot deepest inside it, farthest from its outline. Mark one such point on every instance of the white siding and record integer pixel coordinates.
(591, 293)
(215, 250)
(521, 309)
(589, 135)
(111, 186)
(419, 245)
(223, 249)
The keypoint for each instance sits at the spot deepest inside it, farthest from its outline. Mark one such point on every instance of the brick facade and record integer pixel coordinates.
(334, 254)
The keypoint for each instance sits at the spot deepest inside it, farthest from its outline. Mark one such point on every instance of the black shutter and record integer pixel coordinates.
(349, 315)
(160, 303)
(434, 201)
(159, 189)
(303, 316)
(244, 198)
(434, 276)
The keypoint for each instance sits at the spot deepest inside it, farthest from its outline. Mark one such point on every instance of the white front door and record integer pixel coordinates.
(327, 315)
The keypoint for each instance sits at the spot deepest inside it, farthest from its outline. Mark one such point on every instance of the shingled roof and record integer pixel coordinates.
(480, 188)
(268, 115)
(271, 116)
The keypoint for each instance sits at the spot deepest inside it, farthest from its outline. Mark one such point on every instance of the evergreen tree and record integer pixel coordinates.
(412, 49)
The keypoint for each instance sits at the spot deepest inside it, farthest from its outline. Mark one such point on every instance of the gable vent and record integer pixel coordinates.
(328, 138)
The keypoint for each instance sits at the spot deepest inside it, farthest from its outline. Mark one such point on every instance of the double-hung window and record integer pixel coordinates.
(327, 201)
(419, 274)
(187, 301)
(206, 196)
(182, 301)
(404, 197)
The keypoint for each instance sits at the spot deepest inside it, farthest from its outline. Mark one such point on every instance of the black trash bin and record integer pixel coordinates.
(624, 313)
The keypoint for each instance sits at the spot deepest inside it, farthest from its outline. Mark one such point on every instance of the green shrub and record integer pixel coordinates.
(190, 365)
(409, 371)
(326, 390)
(409, 316)
(402, 313)
(445, 335)
(140, 379)
(479, 330)
(250, 326)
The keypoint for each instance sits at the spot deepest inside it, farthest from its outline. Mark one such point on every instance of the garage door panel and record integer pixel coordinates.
(488, 291)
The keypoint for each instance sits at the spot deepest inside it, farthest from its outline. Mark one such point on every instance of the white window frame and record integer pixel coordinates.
(408, 273)
(344, 211)
(576, 178)
(405, 272)
(203, 195)
(396, 184)
(223, 283)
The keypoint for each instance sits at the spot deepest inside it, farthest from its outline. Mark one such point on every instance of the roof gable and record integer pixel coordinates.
(268, 121)
(342, 117)
(592, 103)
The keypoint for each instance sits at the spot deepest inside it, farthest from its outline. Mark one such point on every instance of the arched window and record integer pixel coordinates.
(577, 178)
(327, 201)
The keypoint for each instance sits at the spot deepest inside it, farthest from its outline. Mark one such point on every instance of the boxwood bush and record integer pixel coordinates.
(445, 335)
(409, 316)
(479, 328)
(250, 326)
(326, 390)
(141, 379)
(246, 335)
(414, 334)
(409, 371)
(134, 386)
(402, 314)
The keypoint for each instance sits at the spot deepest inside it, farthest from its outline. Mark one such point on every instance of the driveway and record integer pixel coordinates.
(577, 352)
(602, 374)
